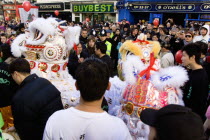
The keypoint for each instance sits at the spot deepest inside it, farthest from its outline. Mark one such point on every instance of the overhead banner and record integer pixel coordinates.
(28, 16)
(93, 8)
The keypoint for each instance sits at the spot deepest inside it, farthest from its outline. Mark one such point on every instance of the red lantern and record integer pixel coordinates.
(26, 6)
(156, 22)
(87, 19)
(7, 18)
(56, 12)
(178, 57)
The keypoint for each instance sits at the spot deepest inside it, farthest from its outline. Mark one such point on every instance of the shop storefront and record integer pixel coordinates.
(47, 9)
(9, 10)
(94, 12)
(1, 12)
(180, 12)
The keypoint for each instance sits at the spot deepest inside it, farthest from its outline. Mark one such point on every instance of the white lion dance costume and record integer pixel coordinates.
(147, 85)
(46, 45)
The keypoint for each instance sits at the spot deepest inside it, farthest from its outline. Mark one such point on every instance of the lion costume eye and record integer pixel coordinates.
(38, 35)
(22, 43)
(129, 53)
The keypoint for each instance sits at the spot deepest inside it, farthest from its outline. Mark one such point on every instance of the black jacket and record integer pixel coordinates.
(35, 101)
(83, 40)
(106, 59)
(196, 92)
(8, 86)
(176, 45)
(114, 52)
(73, 61)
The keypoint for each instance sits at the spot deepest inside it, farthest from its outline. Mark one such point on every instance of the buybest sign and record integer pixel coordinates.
(93, 8)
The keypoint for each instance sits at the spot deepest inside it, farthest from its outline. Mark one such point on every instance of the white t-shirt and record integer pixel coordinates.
(167, 60)
(73, 124)
(201, 38)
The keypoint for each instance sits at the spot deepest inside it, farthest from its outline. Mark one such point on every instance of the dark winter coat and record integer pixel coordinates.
(73, 61)
(106, 59)
(35, 101)
(8, 86)
(196, 92)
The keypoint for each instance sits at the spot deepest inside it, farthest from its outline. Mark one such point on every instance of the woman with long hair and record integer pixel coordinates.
(91, 45)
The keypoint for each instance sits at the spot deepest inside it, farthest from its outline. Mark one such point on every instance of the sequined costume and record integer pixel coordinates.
(147, 84)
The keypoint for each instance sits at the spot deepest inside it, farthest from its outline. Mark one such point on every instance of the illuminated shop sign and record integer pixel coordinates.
(205, 7)
(50, 6)
(176, 7)
(142, 7)
(93, 7)
(164, 7)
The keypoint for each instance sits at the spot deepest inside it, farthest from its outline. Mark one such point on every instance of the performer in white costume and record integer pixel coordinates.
(147, 85)
(46, 45)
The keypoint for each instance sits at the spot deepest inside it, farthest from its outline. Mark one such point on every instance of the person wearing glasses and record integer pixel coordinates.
(188, 37)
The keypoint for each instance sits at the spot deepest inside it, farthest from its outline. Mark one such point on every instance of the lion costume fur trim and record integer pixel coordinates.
(135, 49)
(129, 46)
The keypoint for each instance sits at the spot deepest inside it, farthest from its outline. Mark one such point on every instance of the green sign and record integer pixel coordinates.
(93, 8)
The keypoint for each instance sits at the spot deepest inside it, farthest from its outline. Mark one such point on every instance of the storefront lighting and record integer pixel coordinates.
(126, 4)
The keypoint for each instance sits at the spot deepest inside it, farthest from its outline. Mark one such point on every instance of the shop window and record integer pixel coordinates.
(76, 14)
(77, 19)
(111, 17)
(67, 5)
(193, 16)
(205, 16)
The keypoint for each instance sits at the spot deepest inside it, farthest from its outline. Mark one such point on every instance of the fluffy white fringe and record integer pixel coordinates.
(44, 26)
(72, 36)
(180, 96)
(132, 64)
(177, 76)
(16, 48)
(52, 75)
(140, 131)
(114, 95)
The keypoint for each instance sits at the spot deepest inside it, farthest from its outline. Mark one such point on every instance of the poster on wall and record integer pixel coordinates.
(28, 16)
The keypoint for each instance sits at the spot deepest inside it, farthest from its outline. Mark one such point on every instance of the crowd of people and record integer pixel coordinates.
(92, 62)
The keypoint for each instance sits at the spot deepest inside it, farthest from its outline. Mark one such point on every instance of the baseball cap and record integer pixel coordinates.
(174, 122)
(102, 33)
(203, 27)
